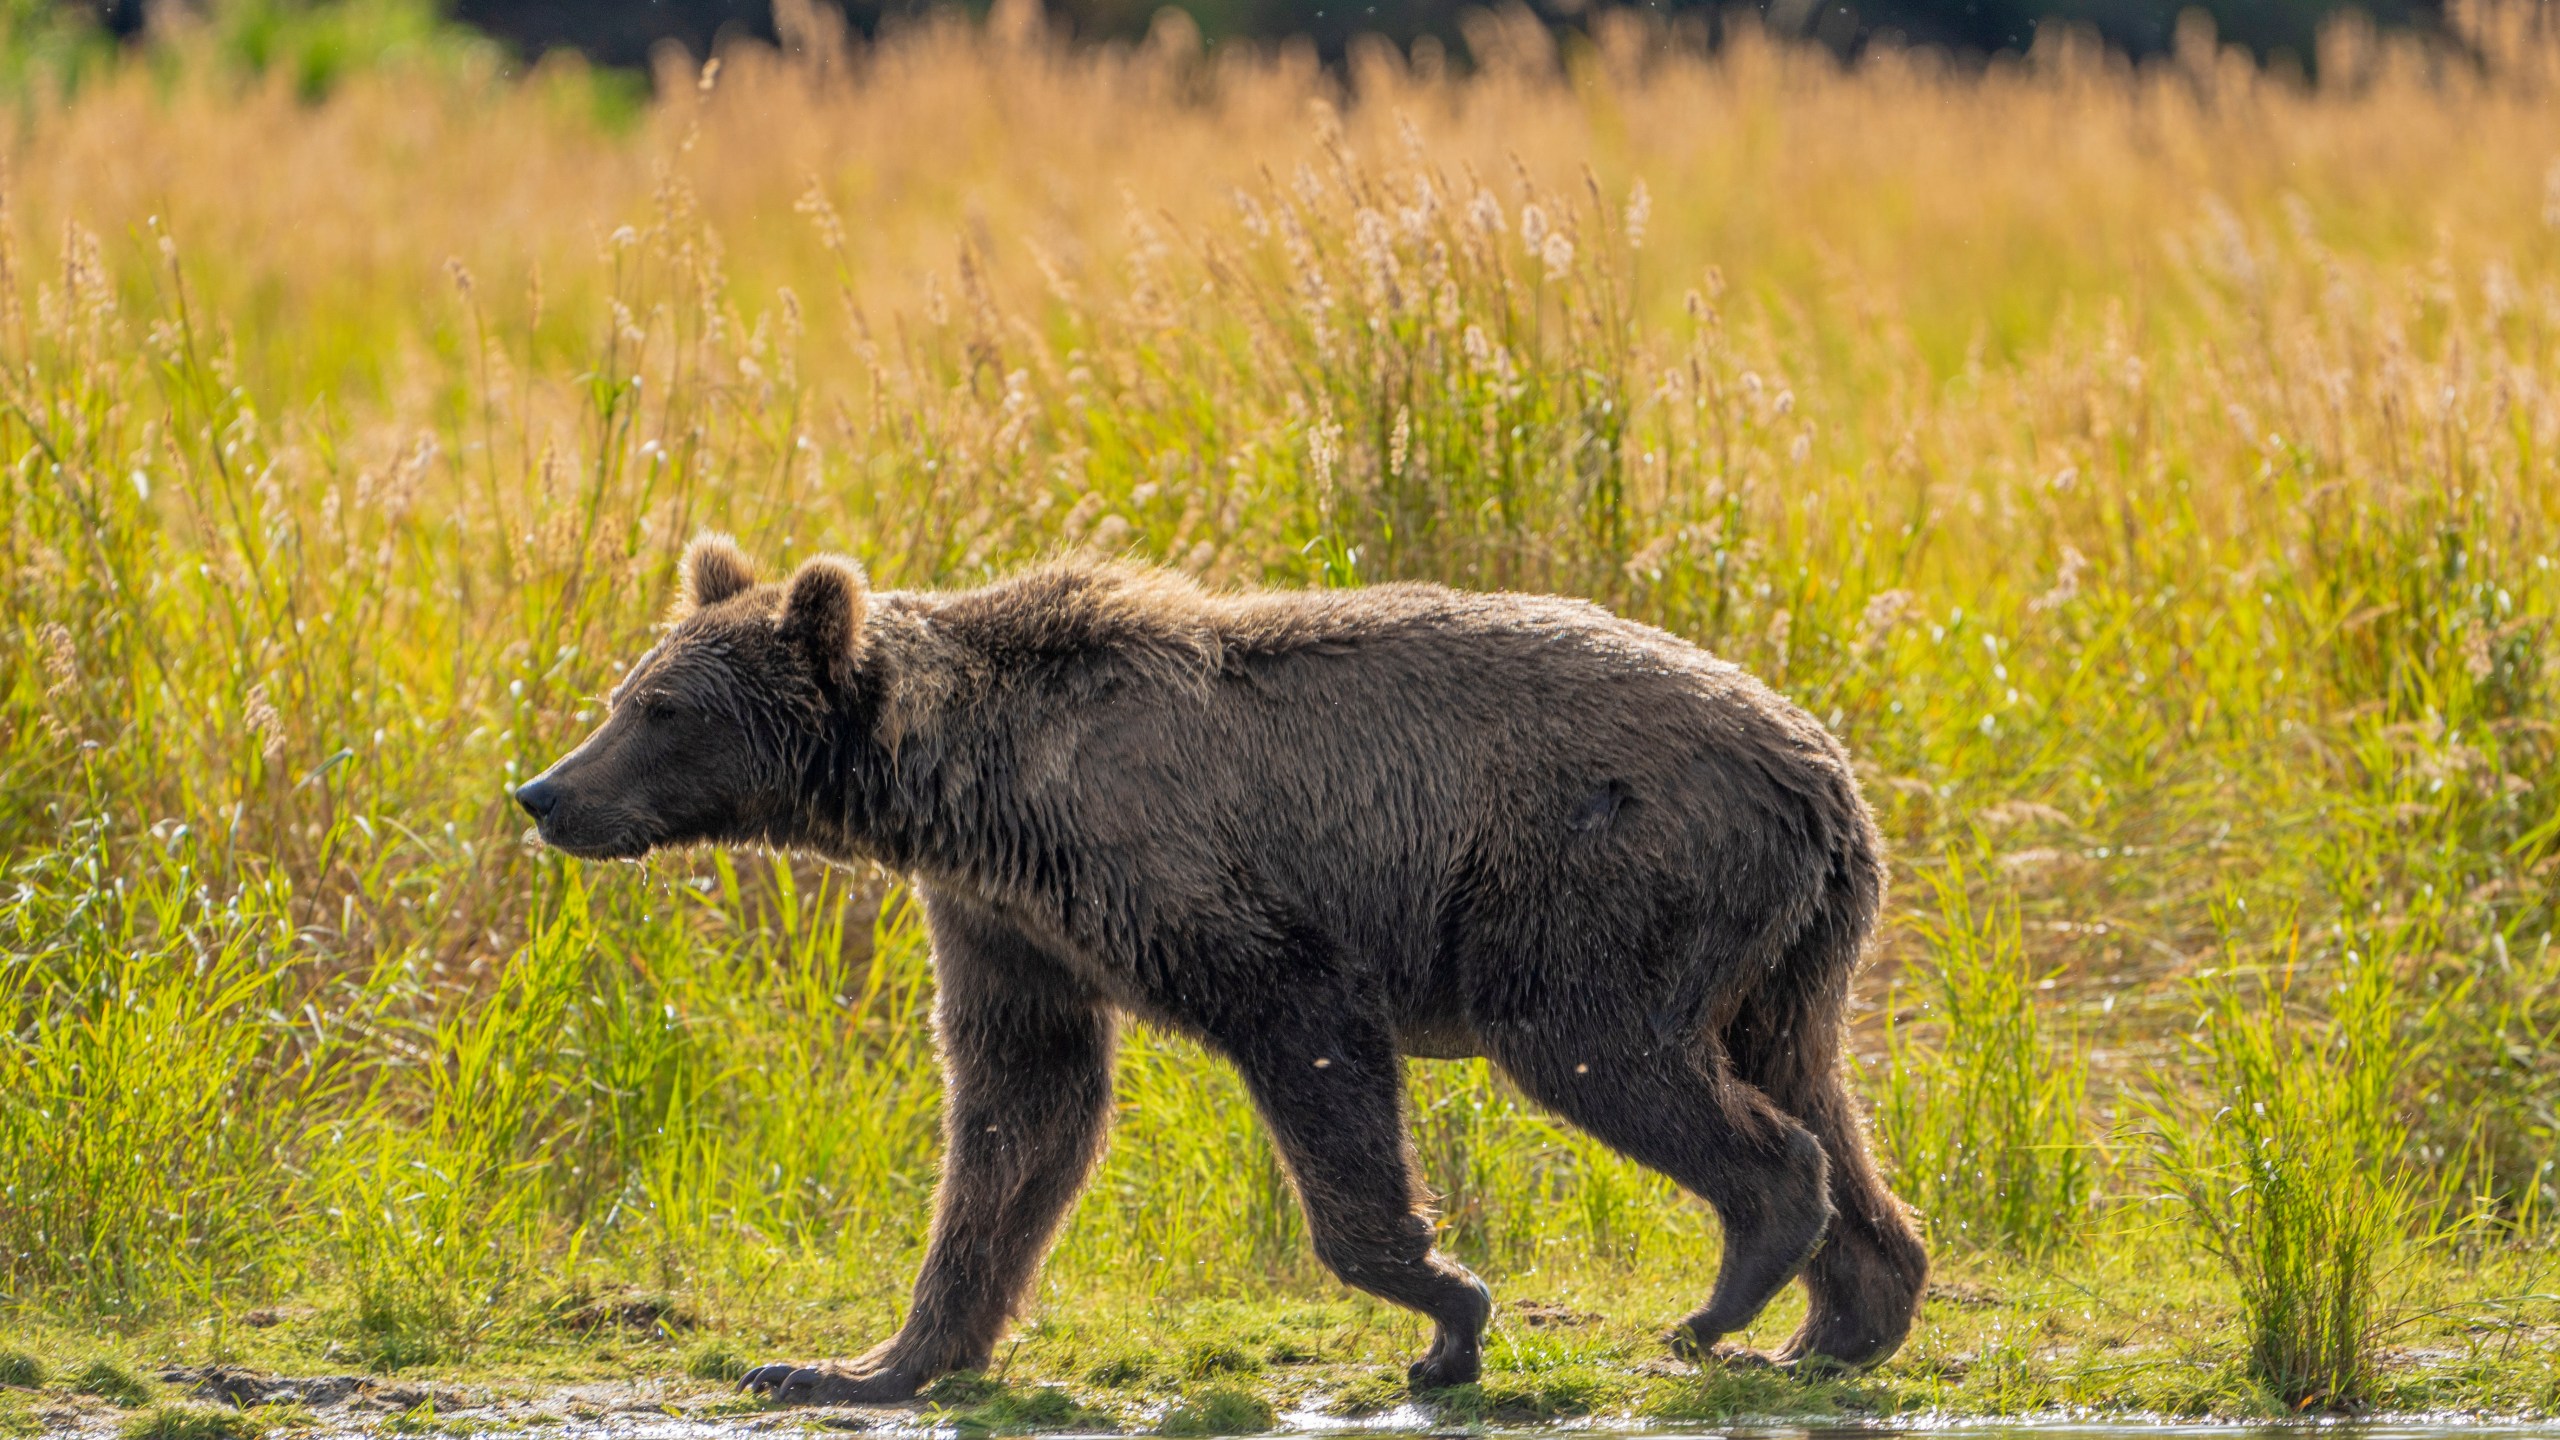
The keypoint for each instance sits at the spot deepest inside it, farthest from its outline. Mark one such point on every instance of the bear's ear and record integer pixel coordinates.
(823, 611)
(714, 570)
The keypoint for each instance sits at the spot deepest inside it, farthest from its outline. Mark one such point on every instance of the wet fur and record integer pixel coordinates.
(1317, 832)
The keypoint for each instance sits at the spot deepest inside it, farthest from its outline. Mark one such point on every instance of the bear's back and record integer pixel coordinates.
(1403, 700)
(1136, 623)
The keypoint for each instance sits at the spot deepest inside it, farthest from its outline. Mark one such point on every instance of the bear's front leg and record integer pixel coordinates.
(1325, 1074)
(1026, 1057)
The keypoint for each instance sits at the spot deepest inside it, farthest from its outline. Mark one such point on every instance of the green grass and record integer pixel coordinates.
(194, 1422)
(718, 1359)
(1988, 1128)
(2289, 1178)
(1369, 1394)
(112, 1381)
(1523, 1400)
(22, 1370)
(1218, 1410)
(994, 1408)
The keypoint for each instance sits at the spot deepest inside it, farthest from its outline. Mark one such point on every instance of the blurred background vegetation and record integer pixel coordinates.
(622, 33)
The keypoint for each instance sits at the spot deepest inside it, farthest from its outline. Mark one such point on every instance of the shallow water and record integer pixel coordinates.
(2403, 1428)
(347, 1407)
(637, 1424)
(2417, 1428)
(1959, 1428)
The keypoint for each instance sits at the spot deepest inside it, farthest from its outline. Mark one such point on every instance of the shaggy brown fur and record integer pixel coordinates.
(1318, 832)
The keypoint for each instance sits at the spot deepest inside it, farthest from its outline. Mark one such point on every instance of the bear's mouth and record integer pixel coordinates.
(582, 847)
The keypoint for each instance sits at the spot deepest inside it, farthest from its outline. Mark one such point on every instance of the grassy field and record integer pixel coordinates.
(2155, 477)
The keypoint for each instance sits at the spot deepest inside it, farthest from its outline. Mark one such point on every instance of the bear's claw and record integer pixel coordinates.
(764, 1378)
(791, 1384)
(1686, 1343)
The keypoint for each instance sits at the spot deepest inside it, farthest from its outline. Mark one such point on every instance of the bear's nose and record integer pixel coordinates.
(537, 796)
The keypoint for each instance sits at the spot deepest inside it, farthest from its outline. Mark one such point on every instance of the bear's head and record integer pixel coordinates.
(720, 733)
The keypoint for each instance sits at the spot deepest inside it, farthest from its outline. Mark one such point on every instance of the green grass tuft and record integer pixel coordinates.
(1219, 1410)
(983, 1406)
(718, 1359)
(1124, 1368)
(194, 1422)
(112, 1381)
(424, 1418)
(1207, 1359)
(1374, 1393)
(21, 1369)
(2292, 1181)
(962, 1388)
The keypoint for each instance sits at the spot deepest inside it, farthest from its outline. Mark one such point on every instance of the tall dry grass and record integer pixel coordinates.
(2148, 471)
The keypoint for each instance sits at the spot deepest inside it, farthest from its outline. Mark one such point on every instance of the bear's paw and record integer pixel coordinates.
(788, 1383)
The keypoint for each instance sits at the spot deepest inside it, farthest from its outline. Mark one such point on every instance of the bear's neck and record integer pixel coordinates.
(939, 775)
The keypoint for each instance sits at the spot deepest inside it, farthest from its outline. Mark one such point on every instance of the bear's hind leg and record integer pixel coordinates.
(1330, 1085)
(1027, 1076)
(1693, 1120)
(1864, 1285)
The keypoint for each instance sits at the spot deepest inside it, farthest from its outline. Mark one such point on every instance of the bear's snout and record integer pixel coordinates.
(583, 814)
(538, 795)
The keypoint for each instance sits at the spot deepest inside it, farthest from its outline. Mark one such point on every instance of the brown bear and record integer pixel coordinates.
(1318, 832)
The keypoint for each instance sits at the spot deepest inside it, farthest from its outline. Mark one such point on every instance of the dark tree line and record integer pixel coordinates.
(622, 32)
